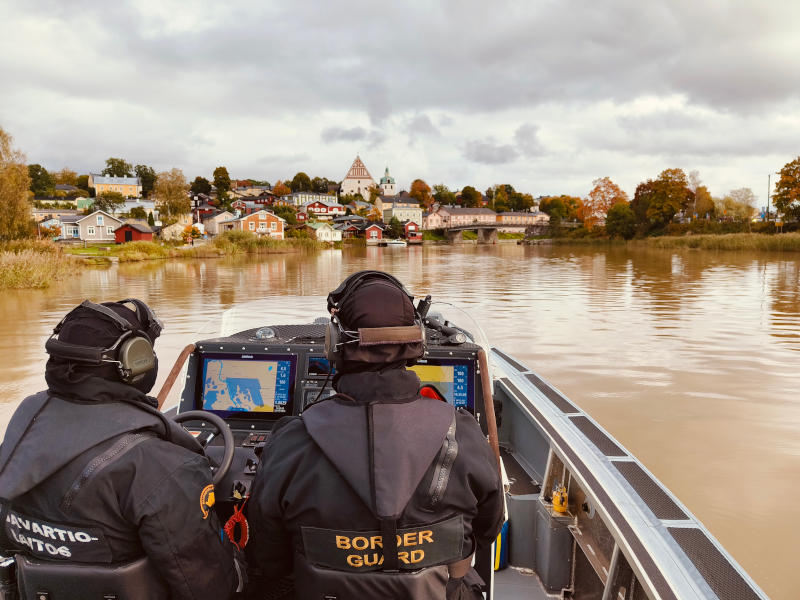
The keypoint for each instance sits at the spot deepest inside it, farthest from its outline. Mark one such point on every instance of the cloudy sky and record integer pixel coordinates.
(545, 95)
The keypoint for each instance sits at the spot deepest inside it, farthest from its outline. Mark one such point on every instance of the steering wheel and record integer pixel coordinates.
(222, 429)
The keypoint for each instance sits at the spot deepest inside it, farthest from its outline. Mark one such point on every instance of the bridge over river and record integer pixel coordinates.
(487, 233)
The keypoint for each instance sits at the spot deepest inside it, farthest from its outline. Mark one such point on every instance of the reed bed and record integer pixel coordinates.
(785, 242)
(35, 268)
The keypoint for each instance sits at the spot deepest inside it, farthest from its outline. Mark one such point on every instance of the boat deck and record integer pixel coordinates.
(516, 584)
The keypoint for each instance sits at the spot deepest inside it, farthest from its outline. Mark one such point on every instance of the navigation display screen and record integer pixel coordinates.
(455, 379)
(319, 365)
(248, 383)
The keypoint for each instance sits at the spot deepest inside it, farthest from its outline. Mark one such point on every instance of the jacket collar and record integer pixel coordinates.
(389, 386)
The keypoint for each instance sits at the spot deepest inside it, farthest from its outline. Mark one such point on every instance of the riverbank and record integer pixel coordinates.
(784, 242)
(39, 264)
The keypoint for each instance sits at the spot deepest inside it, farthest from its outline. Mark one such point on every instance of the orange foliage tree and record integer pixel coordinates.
(421, 192)
(281, 189)
(603, 196)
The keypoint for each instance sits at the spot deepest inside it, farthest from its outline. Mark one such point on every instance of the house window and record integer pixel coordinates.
(90, 230)
(273, 226)
(99, 219)
(262, 216)
(110, 230)
(373, 234)
(252, 226)
(262, 226)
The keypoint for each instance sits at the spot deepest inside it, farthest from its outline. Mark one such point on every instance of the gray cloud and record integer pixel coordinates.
(421, 125)
(342, 134)
(527, 139)
(489, 152)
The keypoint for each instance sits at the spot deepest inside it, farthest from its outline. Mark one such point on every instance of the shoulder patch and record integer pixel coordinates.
(207, 500)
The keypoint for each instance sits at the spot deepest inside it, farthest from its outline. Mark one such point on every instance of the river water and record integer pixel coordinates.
(689, 358)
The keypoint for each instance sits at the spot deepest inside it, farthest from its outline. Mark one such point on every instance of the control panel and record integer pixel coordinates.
(254, 378)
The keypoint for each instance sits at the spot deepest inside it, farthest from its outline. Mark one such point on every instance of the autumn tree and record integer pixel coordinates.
(470, 197)
(147, 177)
(568, 208)
(605, 194)
(281, 189)
(201, 185)
(66, 176)
(421, 192)
(621, 221)
(118, 167)
(171, 196)
(42, 182)
(787, 190)
(744, 196)
(500, 199)
(443, 195)
(703, 203)
(670, 195)
(222, 181)
(301, 183)
(374, 193)
(109, 201)
(15, 208)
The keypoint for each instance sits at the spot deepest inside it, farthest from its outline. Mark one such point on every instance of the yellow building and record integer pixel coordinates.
(130, 187)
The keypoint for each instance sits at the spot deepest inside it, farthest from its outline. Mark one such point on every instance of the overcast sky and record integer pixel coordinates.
(545, 95)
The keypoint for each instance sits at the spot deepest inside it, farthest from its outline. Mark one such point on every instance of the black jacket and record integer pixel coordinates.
(108, 480)
(335, 482)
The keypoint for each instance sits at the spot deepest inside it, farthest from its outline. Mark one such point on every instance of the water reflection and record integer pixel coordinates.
(688, 357)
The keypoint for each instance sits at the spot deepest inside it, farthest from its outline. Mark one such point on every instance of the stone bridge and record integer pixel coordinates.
(487, 234)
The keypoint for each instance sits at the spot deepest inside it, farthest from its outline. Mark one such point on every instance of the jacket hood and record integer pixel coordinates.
(47, 432)
(383, 439)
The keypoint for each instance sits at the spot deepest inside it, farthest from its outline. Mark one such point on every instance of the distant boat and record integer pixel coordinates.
(396, 243)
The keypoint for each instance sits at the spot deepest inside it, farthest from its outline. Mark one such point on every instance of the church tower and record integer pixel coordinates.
(358, 180)
(388, 187)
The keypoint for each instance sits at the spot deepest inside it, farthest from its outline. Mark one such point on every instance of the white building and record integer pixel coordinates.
(357, 181)
(388, 188)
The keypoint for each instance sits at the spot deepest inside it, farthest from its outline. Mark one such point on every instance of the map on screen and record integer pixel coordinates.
(452, 380)
(246, 385)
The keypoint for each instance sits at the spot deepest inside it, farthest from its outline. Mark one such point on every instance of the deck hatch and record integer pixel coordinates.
(657, 499)
(561, 403)
(597, 437)
(508, 359)
(720, 574)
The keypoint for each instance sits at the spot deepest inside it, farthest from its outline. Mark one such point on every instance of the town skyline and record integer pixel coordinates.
(476, 96)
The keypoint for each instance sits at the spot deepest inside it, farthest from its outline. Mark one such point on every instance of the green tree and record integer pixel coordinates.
(137, 212)
(42, 182)
(470, 197)
(787, 190)
(500, 200)
(671, 194)
(201, 185)
(118, 167)
(395, 228)
(443, 195)
(15, 208)
(288, 213)
(301, 183)
(374, 193)
(172, 198)
(645, 192)
(151, 220)
(147, 176)
(82, 182)
(621, 221)
(222, 181)
(109, 201)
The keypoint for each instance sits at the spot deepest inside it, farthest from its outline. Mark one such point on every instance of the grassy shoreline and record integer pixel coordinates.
(784, 242)
(34, 264)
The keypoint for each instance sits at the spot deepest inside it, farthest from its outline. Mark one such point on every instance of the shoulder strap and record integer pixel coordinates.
(443, 465)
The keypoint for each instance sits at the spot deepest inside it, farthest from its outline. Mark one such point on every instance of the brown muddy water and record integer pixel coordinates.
(689, 358)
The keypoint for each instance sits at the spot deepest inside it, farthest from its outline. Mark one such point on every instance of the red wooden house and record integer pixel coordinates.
(133, 232)
(412, 232)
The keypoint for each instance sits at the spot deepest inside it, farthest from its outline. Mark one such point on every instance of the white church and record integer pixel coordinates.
(359, 181)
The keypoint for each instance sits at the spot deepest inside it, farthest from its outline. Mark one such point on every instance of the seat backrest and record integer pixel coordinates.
(50, 580)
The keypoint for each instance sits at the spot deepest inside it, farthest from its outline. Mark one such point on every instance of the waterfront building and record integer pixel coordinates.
(357, 181)
(133, 231)
(456, 216)
(323, 232)
(261, 222)
(523, 218)
(212, 222)
(130, 187)
(96, 227)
